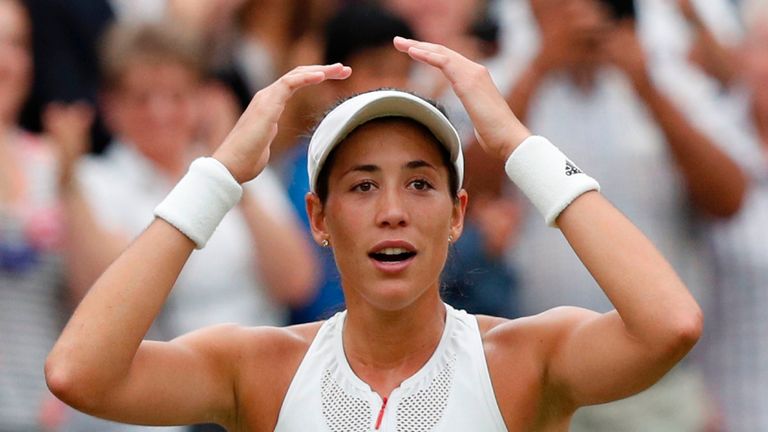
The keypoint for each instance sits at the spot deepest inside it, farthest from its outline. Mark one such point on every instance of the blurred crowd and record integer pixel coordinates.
(103, 104)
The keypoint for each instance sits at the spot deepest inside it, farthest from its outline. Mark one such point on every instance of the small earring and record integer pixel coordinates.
(325, 243)
(450, 239)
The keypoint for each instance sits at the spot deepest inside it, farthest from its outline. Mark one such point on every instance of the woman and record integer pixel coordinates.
(34, 296)
(398, 358)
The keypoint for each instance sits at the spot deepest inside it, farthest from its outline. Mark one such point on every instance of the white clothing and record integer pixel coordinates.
(254, 60)
(32, 310)
(610, 135)
(140, 11)
(218, 284)
(451, 392)
(662, 29)
(736, 347)
(609, 132)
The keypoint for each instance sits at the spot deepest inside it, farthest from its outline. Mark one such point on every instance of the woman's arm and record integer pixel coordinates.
(100, 361)
(715, 183)
(592, 357)
(100, 364)
(89, 247)
(603, 357)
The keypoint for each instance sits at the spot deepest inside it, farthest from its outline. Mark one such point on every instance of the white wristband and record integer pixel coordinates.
(198, 203)
(547, 177)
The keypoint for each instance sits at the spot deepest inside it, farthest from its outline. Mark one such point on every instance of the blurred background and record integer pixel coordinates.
(103, 104)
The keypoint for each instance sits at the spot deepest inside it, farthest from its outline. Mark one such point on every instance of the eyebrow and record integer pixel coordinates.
(369, 168)
(419, 164)
(363, 168)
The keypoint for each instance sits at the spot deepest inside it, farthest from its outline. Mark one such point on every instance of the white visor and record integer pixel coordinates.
(360, 109)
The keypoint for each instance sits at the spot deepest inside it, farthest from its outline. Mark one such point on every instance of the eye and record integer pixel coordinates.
(364, 186)
(421, 185)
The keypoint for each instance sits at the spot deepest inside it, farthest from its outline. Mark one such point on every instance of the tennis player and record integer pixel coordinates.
(386, 171)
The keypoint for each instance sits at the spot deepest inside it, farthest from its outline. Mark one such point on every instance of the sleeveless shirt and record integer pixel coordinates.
(451, 392)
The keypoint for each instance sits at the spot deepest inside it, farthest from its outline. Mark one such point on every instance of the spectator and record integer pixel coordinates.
(153, 80)
(65, 35)
(736, 349)
(647, 121)
(154, 105)
(715, 57)
(34, 300)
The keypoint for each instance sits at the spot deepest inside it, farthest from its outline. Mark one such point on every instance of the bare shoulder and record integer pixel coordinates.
(543, 326)
(517, 352)
(267, 358)
(268, 341)
(540, 332)
(253, 343)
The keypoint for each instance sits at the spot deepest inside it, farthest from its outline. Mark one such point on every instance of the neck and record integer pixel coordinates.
(384, 348)
(173, 169)
(7, 135)
(584, 77)
(6, 126)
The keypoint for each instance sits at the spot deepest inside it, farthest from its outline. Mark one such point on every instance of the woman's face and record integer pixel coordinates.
(15, 60)
(388, 214)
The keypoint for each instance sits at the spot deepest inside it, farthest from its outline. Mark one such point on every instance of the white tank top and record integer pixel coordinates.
(451, 392)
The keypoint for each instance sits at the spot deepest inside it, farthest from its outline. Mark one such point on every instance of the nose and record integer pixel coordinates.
(161, 107)
(391, 212)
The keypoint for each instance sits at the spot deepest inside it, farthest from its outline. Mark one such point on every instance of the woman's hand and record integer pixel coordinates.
(245, 151)
(571, 31)
(68, 126)
(498, 130)
(625, 51)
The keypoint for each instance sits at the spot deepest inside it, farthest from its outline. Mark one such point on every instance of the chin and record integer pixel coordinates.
(394, 295)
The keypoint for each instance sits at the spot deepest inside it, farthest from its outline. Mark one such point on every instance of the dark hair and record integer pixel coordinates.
(321, 186)
(358, 27)
(621, 9)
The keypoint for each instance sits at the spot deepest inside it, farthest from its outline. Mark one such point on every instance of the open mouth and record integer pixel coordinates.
(392, 254)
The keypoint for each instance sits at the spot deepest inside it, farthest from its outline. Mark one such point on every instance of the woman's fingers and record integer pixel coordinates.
(303, 76)
(68, 126)
(245, 151)
(463, 74)
(429, 57)
(404, 44)
(431, 54)
(271, 101)
(497, 128)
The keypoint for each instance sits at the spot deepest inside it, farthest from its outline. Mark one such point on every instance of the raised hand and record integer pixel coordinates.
(624, 50)
(68, 126)
(498, 130)
(245, 151)
(689, 12)
(571, 31)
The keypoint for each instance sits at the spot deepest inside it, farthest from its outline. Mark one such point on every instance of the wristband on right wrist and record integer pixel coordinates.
(200, 200)
(547, 177)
